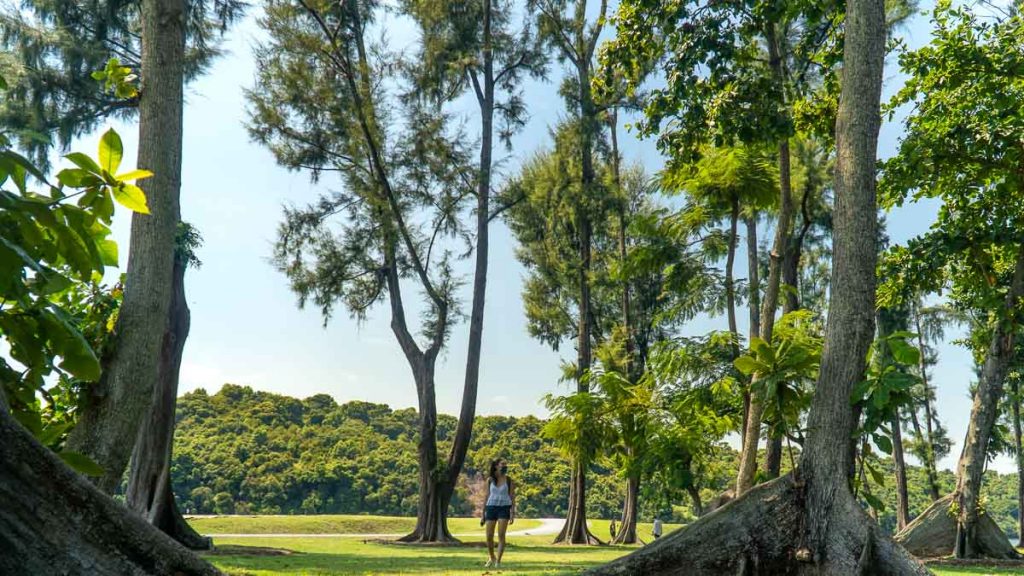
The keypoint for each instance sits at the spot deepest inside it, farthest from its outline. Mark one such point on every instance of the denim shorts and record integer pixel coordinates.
(497, 512)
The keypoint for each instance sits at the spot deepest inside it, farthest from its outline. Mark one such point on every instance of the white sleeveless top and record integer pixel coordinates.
(498, 495)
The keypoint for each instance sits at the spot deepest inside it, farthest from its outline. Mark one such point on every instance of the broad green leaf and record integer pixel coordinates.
(131, 197)
(883, 442)
(78, 357)
(108, 250)
(85, 163)
(877, 476)
(111, 151)
(80, 463)
(747, 365)
(78, 178)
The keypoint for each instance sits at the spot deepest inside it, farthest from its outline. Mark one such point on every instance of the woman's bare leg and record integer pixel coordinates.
(502, 526)
(490, 539)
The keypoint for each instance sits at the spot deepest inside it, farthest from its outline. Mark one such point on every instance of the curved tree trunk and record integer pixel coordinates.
(112, 409)
(54, 521)
(627, 527)
(983, 416)
(149, 491)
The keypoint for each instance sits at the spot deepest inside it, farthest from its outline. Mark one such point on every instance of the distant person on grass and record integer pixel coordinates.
(657, 528)
(500, 509)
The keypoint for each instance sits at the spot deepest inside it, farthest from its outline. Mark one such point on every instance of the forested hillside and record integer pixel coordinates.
(243, 451)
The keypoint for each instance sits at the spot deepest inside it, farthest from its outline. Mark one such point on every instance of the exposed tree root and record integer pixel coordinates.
(761, 533)
(933, 533)
(53, 521)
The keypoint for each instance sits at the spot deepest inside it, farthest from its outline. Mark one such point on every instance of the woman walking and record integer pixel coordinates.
(500, 509)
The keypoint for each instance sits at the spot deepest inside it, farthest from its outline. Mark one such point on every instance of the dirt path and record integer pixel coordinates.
(547, 526)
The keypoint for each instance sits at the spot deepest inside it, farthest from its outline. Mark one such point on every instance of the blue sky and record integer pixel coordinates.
(247, 329)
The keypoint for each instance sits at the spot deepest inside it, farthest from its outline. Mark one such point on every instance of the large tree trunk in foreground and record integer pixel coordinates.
(983, 417)
(627, 526)
(758, 534)
(752, 434)
(54, 521)
(113, 409)
(814, 525)
(933, 534)
(149, 491)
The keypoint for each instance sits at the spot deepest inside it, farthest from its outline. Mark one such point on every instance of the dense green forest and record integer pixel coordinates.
(244, 451)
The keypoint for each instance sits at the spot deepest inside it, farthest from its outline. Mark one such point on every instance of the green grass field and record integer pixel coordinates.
(331, 524)
(311, 556)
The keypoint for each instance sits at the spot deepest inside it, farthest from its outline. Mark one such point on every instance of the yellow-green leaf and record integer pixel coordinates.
(111, 151)
(133, 175)
(80, 463)
(131, 197)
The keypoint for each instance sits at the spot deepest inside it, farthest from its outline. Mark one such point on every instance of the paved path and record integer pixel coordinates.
(547, 526)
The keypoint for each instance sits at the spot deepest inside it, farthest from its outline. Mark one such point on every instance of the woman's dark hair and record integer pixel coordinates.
(493, 473)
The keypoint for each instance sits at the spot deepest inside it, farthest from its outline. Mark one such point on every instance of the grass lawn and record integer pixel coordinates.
(526, 556)
(332, 524)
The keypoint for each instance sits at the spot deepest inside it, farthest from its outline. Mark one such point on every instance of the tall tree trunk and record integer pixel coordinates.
(730, 285)
(753, 301)
(1019, 453)
(929, 464)
(54, 521)
(627, 526)
(467, 415)
(827, 458)
(575, 530)
(698, 506)
(902, 503)
(112, 409)
(434, 491)
(150, 493)
(983, 416)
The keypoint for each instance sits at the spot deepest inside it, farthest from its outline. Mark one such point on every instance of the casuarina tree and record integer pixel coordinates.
(330, 100)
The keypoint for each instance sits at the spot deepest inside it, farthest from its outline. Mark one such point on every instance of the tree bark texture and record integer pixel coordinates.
(983, 417)
(575, 530)
(113, 409)
(828, 456)
(150, 493)
(54, 521)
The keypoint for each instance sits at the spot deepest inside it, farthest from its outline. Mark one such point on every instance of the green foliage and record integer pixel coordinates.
(54, 316)
(786, 369)
(59, 51)
(962, 146)
(118, 80)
